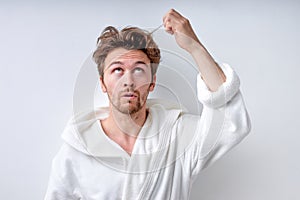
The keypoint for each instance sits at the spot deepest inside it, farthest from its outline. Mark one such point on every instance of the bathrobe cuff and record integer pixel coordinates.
(224, 93)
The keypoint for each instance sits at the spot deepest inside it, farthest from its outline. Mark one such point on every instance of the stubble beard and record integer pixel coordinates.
(130, 108)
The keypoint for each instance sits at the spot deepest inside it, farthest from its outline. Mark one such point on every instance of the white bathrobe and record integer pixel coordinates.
(171, 149)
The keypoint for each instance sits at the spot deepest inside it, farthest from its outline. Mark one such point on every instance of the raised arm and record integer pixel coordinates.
(224, 120)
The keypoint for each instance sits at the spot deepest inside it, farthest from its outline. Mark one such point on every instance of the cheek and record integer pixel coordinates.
(112, 84)
(143, 81)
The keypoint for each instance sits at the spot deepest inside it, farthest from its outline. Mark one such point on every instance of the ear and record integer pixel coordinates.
(102, 84)
(152, 85)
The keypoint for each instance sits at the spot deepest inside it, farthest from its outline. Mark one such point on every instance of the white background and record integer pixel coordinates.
(44, 44)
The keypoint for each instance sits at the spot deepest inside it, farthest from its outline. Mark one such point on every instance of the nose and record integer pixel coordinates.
(128, 80)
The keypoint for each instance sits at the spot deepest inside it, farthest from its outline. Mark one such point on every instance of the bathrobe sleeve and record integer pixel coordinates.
(63, 182)
(224, 122)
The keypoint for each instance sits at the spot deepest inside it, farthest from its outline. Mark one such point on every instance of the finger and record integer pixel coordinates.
(170, 20)
(166, 15)
(169, 28)
(173, 25)
(176, 14)
(170, 14)
(167, 22)
(175, 21)
(173, 14)
(166, 19)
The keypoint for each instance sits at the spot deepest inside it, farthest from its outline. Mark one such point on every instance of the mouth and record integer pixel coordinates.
(129, 95)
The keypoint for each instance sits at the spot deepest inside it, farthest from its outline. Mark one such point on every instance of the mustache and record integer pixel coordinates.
(129, 90)
(132, 89)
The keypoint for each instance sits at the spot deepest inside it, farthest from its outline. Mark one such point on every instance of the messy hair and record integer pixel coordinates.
(130, 38)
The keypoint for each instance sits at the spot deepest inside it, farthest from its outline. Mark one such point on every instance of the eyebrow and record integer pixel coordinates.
(140, 62)
(121, 63)
(115, 63)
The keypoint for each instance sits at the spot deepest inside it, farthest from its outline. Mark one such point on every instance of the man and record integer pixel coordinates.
(136, 149)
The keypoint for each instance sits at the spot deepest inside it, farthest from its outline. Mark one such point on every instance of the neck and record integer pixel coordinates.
(124, 128)
(126, 124)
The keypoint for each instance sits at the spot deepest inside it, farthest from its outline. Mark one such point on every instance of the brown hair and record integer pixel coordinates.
(129, 38)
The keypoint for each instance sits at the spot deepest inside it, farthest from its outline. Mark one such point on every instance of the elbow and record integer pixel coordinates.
(245, 126)
(240, 127)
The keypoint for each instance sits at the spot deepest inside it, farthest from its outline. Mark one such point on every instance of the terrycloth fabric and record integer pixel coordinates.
(171, 149)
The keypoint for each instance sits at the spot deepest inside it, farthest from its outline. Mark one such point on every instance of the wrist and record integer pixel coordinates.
(195, 48)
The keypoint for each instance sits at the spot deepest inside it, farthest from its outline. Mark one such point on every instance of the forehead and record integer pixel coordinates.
(124, 55)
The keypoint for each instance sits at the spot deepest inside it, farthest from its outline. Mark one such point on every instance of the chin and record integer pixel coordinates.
(128, 109)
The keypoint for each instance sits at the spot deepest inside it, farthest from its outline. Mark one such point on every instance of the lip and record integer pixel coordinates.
(129, 95)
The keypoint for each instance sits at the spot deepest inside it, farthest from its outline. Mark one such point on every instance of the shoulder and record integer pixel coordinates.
(65, 154)
(68, 156)
(163, 114)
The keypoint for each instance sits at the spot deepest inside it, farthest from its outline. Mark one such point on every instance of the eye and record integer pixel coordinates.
(138, 70)
(117, 70)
